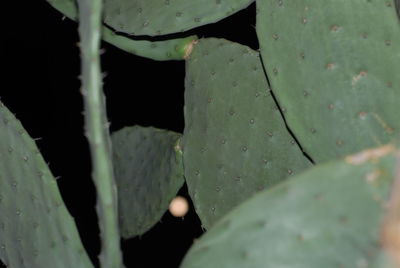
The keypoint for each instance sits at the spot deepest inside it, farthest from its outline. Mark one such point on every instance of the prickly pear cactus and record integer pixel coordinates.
(332, 215)
(235, 142)
(171, 49)
(149, 172)
(334, 69)
(160, 17)
(36, 230)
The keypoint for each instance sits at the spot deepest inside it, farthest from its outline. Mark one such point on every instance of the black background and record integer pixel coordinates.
(39, 83)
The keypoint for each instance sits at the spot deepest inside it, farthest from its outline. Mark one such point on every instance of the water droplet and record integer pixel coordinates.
(244, 148)
(251, 121)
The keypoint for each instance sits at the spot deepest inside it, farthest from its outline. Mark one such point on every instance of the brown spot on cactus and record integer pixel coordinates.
(357, 77)
(189, 48)
(373, 176)
(334, 28)
(330, 66)
(390, 232)
(383, 123)
(369, 155)
(339, 142)
(362, 115)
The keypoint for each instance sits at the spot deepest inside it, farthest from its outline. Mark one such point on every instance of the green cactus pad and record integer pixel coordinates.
(329, 216)
(36, 230)
(160, 17)
(148, 172)
(235, 142)
(173, 49)
(334, 69)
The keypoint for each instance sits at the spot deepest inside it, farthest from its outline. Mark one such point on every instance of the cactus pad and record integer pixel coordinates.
(334, 68)
(172, 49)
(148, 172)
(36, 230)
(329, 216)
(160, 17)
(235, 142)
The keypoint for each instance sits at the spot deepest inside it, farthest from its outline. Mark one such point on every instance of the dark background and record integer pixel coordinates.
(39, 83)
